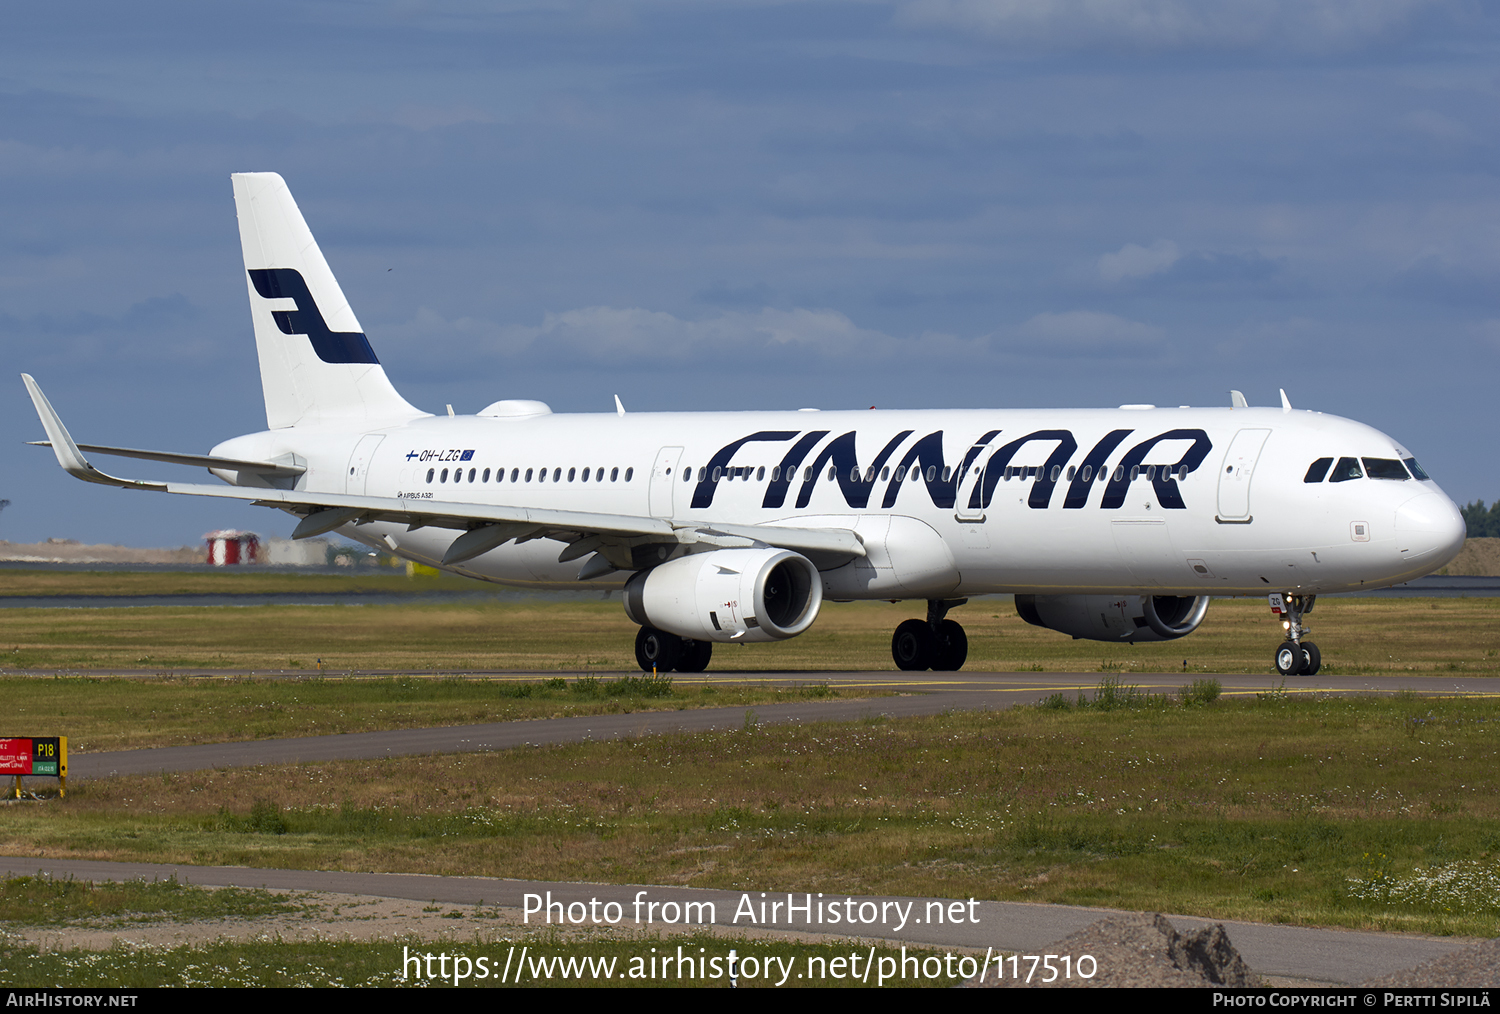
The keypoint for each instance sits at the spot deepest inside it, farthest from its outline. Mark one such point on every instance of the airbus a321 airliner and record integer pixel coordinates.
(1115, 525)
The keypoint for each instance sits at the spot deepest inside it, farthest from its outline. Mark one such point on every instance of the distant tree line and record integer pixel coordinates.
(1483, 522)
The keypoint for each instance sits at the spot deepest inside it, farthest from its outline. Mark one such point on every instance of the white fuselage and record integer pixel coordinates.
(947, 502)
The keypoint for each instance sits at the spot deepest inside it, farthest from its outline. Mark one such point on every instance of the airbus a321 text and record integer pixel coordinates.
(1116, 525)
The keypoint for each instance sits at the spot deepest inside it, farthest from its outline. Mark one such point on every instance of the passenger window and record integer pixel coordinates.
(430, 473)
(572, 474)
(585, 476)
(1416, 469)
(557, 475)
(486, 475)
(471, 475)
(687, 474)
(1346, 469)
(614, 474)
(1088, 472)
(760, 473)
(628, 473)
(515, 472)
(833, 472)
(1385, 468)
(775, 473)
(528, 475)
(931, 472)
(444, 476)
(1317, 470)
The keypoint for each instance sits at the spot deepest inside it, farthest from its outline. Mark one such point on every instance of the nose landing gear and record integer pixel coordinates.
(1295, 657)
(937, 643)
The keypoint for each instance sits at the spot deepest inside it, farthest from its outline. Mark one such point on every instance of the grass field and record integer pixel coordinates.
(1366, 813)
(134, 714)
(20, 581)
(1418, 636)
(1369, 813)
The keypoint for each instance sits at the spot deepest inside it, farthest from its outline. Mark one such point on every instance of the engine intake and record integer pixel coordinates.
(1115, 617)
(728, 595)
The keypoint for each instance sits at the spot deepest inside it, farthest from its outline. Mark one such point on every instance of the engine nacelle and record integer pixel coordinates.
(1115, 617)
(728, 595)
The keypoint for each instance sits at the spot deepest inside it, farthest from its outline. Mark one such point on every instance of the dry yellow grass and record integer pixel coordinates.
(1259, 809)
(1417, 636)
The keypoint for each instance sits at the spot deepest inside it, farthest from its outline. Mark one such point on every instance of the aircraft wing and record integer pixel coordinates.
(617, 541)
(267, 468)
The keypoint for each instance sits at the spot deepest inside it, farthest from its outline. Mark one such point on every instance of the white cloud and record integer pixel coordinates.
(602, 334)
(1132, 262)
(1170, 24)
(613, 336)
(1088, 333)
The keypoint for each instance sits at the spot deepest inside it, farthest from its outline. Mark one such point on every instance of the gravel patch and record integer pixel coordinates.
(1144, 951)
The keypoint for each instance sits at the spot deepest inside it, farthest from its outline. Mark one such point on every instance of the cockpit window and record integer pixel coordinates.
(1346, 469)
(1317, 470)
(1416, 469)
(1385, 468)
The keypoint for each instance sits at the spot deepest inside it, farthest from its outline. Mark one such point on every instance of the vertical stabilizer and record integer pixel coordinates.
(316, 366)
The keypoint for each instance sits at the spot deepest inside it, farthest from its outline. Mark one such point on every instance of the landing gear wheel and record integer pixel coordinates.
(695, 656)
(952, 647)
(657, 650)
(1312, 659)
(1289, 658)
(913, 646)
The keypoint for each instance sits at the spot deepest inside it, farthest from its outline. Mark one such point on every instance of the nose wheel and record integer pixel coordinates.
(936, 643)
(1296, 656)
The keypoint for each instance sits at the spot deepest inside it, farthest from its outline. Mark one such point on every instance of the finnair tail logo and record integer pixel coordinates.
(331, 346)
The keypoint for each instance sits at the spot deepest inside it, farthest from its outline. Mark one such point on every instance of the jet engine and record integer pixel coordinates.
(728, 595)
(1115, 617)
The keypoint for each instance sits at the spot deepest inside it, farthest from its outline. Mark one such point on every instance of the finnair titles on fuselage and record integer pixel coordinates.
(734, 526)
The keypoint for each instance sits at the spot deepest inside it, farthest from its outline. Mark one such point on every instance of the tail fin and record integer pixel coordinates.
(316, 366)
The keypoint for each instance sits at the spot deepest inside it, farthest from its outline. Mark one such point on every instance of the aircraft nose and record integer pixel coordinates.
(1429, 528)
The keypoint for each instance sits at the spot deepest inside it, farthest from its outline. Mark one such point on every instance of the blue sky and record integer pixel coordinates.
(715, 204)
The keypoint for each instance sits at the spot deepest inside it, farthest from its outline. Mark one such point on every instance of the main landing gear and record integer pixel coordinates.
(663, 652)
(935, 643)
(1295, 657)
